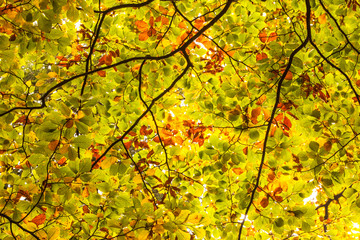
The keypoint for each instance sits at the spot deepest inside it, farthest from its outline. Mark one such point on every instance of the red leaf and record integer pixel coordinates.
(39, 219)
(287, 123)
(102, 73)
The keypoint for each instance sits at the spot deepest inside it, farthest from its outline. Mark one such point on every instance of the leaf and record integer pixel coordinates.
(82, 142)
(261, 56)
(322, 18)
(39, 219)
(53, 145)
(264, 202)
(143, 36)
(141, 26)
(254, 115)
(53, 233)
(328, 146)
(237, 171)
(44, 24)
(263, 36)
(314, 146)
(101, 73)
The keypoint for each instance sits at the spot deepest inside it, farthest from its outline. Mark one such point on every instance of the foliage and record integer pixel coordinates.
(165, 119)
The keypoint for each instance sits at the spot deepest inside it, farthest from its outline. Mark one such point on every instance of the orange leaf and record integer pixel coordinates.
(165, 21)
(261, 100)
(39, 219)
(322, 18)
(53, 144)
(279, 117)
(141, 26)
(254, 114)
(85, 193)
(182, 25)
(128, 144)
(288, 76)
(151, 21)
(102, 73)
(143, 36)
(238, 171)
(62, 161)
(163, 10)
(261, 56)
(263, 36)
(264, 202)
(272, 37)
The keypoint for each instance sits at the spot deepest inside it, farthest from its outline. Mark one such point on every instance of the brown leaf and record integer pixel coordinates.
(53, 144)
(328, 146)
(264, 202)
(69, 124)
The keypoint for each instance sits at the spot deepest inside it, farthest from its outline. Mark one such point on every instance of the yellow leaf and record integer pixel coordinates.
(80, 114)
(194, 218)
(149, 219)
(143, 234)
(39, 83)
(53, 233)
(52, 74)
(137, 179)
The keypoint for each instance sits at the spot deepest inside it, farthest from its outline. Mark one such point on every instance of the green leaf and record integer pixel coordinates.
(44, 24)
(82, 141)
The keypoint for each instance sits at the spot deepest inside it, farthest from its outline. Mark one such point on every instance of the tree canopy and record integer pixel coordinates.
(171, 119)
